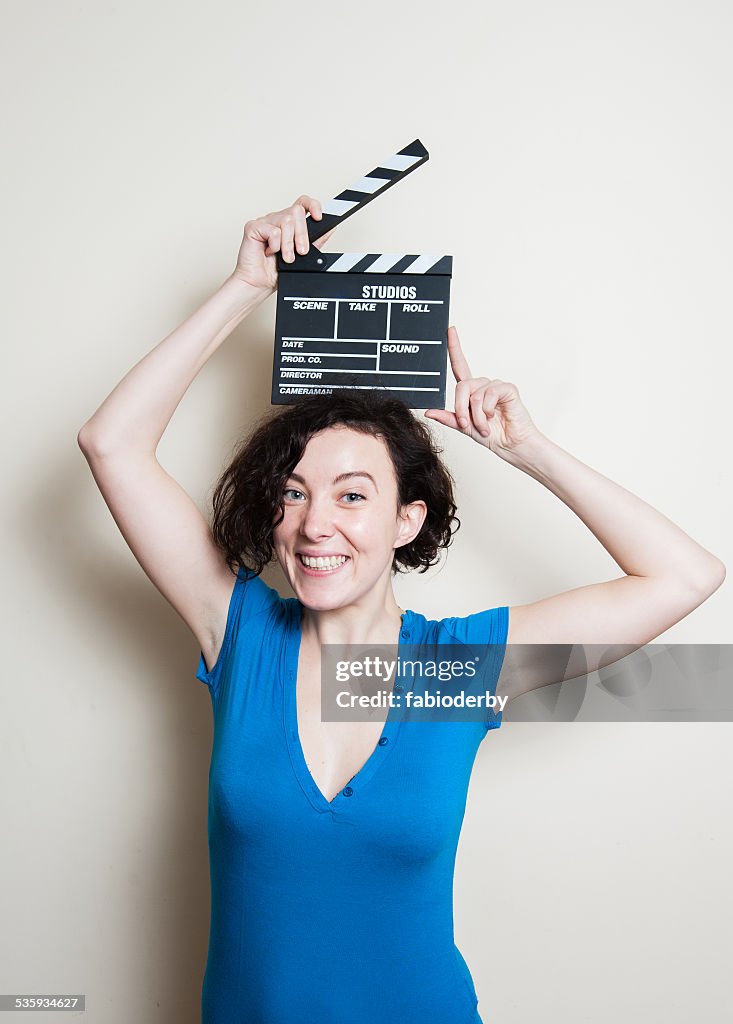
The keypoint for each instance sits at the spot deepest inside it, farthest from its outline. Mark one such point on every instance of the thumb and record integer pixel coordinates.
(444, 416)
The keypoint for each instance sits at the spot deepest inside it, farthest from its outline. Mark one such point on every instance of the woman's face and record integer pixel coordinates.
(340, 505)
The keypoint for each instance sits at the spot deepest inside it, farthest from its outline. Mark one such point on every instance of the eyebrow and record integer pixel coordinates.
(342, 476)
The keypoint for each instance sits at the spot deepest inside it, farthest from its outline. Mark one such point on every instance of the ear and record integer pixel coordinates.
(411, 519)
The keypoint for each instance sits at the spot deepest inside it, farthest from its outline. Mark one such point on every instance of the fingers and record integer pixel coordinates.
(302, 205)
(479, 404)
(470, 391)
(287, 235)
(444, 416)
(458, 361)
(273, 241)
(461, 403)
(476, 401)
(293, 225)
(286, 230)
(311, 205)
(315, 209)
(302, 242)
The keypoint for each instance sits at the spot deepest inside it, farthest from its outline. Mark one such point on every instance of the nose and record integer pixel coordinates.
(317, 519)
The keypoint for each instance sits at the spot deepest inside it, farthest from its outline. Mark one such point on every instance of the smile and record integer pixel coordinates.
(322, 566)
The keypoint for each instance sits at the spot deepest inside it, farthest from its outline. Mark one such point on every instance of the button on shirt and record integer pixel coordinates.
(298, 881)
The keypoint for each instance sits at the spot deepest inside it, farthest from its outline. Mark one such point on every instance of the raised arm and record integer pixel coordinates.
(162, 525)
(667, 574)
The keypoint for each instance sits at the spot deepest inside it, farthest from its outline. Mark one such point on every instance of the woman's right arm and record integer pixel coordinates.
(161, 524)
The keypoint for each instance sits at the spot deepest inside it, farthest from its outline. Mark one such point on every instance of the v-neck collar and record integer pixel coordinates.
(390, 730)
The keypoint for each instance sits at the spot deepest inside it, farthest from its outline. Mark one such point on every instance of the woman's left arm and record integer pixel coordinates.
(667, 573)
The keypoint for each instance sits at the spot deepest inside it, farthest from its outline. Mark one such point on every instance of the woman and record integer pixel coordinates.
(332, 844)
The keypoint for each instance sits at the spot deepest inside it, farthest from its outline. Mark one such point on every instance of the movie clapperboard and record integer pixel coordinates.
(363, 320)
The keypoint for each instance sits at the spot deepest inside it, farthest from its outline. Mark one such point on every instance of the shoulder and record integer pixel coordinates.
(488, 626)
(252, 596)
(244, 598)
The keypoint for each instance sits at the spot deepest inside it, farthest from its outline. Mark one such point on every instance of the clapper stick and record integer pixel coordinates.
(392, 170)
(365, 321)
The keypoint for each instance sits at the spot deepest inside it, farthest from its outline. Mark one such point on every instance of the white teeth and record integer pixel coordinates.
(331, 562)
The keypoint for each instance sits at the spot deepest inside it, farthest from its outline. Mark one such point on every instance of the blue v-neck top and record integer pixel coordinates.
(334, 912)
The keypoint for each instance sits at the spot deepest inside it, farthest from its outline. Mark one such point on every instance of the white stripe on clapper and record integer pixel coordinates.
(383, 263)
(338, 207)
(422, 264)
(346, 261)
(369, 185)
(399, 162)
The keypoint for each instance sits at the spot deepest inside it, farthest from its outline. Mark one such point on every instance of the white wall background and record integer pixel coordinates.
(580, 174)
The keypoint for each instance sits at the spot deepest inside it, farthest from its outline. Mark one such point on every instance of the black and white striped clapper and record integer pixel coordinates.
(363, 320)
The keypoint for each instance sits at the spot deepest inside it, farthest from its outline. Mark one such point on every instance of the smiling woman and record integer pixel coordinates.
(333, 843)
(345, 491)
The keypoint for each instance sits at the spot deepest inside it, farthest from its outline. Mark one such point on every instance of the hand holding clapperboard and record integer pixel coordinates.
(363, 320)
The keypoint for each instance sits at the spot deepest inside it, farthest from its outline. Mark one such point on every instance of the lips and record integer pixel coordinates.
(328, 564)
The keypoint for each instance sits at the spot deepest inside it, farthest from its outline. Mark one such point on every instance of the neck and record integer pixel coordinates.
(362, 622)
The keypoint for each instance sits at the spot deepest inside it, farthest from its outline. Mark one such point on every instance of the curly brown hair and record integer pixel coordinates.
(248, 498)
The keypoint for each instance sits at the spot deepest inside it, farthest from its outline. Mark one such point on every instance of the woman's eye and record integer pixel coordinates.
(292, 493)
(353, 494)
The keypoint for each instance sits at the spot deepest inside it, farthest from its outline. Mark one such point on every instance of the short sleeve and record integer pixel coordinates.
(250, 596)
(490, 627)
